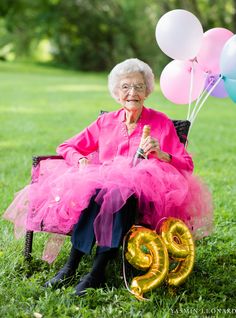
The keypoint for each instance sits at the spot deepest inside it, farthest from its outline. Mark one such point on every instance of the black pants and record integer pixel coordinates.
(83, 237)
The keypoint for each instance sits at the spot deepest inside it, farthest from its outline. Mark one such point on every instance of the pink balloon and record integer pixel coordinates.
(212, 44)
(175, 81)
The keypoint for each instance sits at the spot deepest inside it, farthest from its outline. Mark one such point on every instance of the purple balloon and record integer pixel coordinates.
(219, 91)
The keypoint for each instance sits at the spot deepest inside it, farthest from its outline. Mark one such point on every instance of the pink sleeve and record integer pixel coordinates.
(170, 143)
(80, 145)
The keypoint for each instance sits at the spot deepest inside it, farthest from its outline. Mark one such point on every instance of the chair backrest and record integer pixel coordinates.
(181, 127)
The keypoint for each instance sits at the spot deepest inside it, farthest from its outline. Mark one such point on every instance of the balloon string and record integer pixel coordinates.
(123, 265)
(205, 98)
(190, 90)
(199, 98)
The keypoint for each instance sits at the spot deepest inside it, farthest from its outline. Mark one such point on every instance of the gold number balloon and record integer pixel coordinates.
(180, 245)
(146, 250)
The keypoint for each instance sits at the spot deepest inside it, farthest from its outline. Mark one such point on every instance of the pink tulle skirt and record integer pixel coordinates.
(60, 193)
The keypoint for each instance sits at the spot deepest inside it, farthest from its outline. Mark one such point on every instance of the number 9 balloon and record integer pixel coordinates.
(146, 250)
(180, 245)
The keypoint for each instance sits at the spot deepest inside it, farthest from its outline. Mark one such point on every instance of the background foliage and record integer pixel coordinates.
(96, 34)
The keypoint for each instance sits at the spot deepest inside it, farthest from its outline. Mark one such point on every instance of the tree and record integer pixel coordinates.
(96, 34)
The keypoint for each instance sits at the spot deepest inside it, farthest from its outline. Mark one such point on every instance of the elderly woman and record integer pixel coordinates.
(98, 193)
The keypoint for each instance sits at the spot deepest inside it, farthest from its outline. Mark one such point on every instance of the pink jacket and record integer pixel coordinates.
(108, 134)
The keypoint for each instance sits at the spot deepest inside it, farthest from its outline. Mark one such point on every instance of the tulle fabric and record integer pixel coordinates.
(59, 194)
(17, 212)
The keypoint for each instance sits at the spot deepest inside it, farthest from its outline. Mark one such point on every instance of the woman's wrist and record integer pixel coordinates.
(164, 156)
(82, 160)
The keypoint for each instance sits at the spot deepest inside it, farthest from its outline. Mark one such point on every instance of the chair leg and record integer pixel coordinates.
(28, 244)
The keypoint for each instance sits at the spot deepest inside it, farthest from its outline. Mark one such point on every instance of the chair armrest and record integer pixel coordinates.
(36, 159)
(36, 165)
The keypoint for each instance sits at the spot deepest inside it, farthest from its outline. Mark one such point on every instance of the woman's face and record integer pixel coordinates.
(132, 91)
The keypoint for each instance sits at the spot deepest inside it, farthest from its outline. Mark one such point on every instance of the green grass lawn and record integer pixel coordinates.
(39, 108)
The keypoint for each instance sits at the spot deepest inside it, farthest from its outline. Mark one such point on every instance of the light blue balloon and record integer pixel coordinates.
(228, 58)
(230, 87)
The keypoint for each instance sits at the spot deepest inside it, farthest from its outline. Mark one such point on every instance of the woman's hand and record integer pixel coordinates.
(83, 162)
(151, 145)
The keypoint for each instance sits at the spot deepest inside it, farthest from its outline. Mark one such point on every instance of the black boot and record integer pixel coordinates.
(96, 278)
(68, 271)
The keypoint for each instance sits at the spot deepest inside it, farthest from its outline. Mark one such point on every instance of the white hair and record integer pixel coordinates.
(130, 66)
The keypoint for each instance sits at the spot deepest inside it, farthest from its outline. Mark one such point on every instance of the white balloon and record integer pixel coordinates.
(179, 34)
(228, 59)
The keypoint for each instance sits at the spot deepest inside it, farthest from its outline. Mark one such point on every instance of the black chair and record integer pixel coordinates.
(182, 128)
